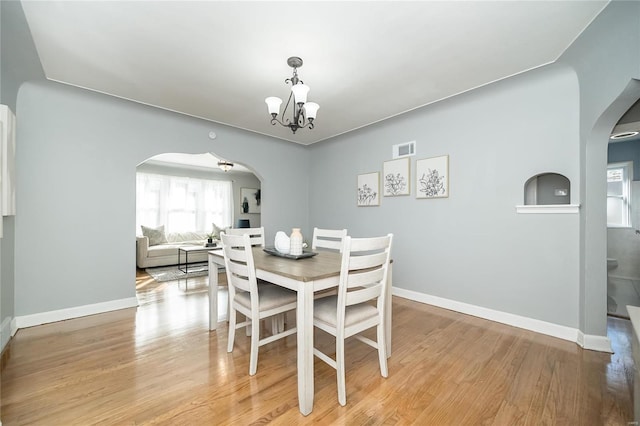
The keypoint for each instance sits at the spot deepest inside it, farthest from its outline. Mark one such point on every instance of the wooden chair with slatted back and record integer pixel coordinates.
(363, 281)
(330, 239)
(327, 239)
(254, 301)
(256, 234)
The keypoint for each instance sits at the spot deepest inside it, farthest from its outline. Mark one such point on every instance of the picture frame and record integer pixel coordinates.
(368, 194)
(432, 177)
(396, 177)
(250, 200)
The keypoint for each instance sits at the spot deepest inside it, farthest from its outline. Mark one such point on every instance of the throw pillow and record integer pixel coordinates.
(156, 235)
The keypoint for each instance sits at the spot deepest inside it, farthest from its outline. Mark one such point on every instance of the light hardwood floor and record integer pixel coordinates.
(159, 364)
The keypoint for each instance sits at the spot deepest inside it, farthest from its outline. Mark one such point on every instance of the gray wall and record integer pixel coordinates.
(606, 58)
(238, 180)
(471, 247)
(626, 151)
(19, 62)
(76, 164)
(547, 185)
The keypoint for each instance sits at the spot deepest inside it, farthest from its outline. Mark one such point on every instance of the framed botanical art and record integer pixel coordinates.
(250, 200)
(432, 177)
(395, 177)
(369, 189)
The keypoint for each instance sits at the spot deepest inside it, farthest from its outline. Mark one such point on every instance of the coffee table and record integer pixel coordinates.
(186, 250)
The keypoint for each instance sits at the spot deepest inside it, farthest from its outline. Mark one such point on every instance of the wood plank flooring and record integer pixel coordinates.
(159, 364)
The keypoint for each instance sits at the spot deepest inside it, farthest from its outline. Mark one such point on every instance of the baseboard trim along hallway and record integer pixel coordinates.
(74, 312)
(586, 341)
(591, 342)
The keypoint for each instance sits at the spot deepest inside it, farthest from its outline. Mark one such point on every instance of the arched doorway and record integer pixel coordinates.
(593, 275)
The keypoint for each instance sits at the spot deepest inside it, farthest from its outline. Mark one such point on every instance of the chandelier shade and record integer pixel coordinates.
(273, 104)
(302, 112)
(300, 92)
(311, 108)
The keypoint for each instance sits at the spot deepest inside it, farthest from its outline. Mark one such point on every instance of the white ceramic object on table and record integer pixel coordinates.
(296, 239)
(282, 242)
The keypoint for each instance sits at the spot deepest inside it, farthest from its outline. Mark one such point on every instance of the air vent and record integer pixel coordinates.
(406, 149)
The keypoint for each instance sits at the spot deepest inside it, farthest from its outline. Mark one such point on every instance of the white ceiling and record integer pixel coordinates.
(364, 61)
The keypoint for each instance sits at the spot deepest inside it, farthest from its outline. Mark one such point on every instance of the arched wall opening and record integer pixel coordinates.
(547, 189)
(186, 199)
(593, 300)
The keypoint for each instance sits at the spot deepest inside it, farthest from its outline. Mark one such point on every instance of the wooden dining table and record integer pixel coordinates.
(305, 276)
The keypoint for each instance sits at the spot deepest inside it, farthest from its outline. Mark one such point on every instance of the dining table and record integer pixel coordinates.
(306, 276)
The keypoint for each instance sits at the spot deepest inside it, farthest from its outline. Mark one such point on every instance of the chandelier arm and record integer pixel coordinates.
(274, 120)
(301, 117)
(307, 124)
(293, 126)
(284, 111)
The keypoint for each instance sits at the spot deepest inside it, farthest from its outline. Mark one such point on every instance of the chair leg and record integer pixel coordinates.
(342, 391)
(255, 342)
(232, 329)
(382, 350)
(277, 324)
(247, 329)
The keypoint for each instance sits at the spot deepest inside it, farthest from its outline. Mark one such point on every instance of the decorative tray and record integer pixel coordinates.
(305, 253)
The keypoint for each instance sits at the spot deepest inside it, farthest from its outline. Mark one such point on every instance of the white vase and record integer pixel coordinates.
(295, 247)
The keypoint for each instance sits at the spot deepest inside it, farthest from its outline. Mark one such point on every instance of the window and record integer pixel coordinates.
(182, 204)
(619, 177)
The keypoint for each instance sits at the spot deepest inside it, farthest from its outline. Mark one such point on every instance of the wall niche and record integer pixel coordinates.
(547, 193)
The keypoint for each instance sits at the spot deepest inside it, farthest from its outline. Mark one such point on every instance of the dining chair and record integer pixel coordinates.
(328, 238)
(258, 239)
(363, 279)
(256, 234)
(254, 301)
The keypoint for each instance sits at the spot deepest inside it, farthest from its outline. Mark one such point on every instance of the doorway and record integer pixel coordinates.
(200, 193)
(623, 214)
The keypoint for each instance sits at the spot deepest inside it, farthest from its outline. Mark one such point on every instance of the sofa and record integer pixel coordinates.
(164, 251)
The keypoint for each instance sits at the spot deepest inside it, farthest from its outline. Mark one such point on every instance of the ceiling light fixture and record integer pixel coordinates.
(303, 112)
(225, 165)
(623, 135)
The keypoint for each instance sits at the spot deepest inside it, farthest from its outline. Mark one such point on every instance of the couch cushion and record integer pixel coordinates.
(163, 250)
(171, 249)
(186, 237)
(156, 235)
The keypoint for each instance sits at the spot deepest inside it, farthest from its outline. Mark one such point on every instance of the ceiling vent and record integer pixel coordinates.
(406, 149)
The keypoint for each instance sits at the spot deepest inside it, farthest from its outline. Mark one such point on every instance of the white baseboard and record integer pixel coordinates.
(75, 312)
(596, 343)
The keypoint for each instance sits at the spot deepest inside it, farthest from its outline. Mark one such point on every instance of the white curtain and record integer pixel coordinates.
(182, 204)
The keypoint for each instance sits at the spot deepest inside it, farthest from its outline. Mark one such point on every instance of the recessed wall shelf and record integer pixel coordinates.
(549, 208)
(548, 193)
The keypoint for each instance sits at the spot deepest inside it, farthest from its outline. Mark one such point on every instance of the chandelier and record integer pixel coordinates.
(225, 165)
(302, 112)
